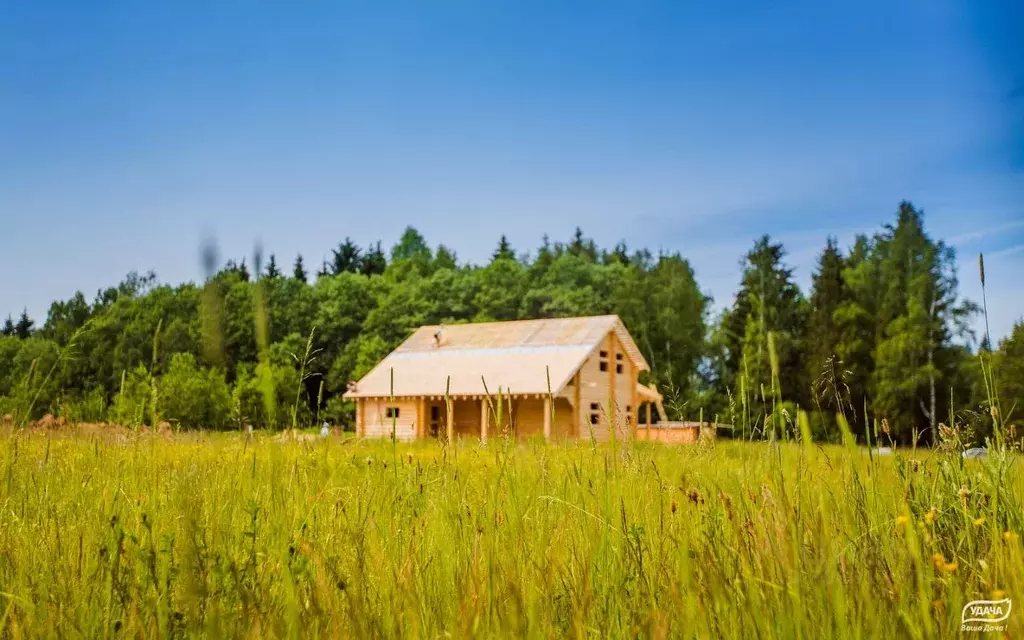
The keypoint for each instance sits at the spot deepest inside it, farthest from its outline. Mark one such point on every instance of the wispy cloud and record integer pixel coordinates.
(973, 236)
(1008, 251)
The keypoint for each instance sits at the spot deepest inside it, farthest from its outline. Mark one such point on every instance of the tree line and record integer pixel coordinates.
(882, 338)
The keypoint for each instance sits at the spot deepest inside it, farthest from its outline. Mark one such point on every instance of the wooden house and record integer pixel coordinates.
(560, 378)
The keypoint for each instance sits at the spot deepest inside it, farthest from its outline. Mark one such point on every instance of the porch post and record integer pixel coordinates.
(547, 417)
(484, 417)
(647, 411)
(450, 417)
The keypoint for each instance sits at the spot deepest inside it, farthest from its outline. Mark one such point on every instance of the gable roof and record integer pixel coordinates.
(517, 357)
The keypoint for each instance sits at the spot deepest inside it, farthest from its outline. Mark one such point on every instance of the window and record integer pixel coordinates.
(595, 415)
(618, 356)
(392, 412)
(594, 406)
(604, 354)
(593, 418)
(604, 365)
(618, 368)
(604, 360)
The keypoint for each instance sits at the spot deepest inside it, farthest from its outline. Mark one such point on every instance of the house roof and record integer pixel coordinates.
(516, 357)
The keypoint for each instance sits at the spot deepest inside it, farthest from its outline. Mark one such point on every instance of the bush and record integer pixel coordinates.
(193, 396)
(92, 407)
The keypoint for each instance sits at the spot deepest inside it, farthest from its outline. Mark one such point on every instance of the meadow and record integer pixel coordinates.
(223, 535)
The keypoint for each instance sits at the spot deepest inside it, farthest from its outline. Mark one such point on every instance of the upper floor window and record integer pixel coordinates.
(392, 412)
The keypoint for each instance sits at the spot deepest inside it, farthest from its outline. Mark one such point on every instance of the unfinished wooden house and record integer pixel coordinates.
(560, 378)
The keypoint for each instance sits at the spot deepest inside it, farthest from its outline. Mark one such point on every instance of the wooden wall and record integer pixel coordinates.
(530, 418)
(466, 414)
(372, 420)
(611, 392)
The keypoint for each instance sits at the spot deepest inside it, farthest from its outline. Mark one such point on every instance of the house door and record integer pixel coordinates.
(436, 423)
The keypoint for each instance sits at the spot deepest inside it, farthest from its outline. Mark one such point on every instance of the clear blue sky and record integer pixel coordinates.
(130, 131)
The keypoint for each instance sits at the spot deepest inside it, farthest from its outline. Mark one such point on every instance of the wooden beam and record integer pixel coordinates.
(450, 416)
(547, 418)
(634, 412)
(485, 417)
(421, 417)
(361, 422)
(576, 413)
(611, 384)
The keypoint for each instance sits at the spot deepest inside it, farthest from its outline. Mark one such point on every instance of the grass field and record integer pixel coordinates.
(150, 536)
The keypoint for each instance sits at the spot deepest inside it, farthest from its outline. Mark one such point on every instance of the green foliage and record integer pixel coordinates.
(883, 328)
(249, 396)
(768, 305)
(133, 404)
(91, 407)
(194, 396)
(299, 271)
(1009, 371)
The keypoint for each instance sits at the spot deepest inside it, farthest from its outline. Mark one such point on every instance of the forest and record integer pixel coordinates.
(882, 340)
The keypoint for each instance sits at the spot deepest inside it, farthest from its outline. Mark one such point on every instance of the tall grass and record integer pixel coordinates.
(217, 536)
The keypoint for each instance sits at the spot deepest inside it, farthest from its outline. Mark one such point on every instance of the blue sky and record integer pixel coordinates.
(131, 131)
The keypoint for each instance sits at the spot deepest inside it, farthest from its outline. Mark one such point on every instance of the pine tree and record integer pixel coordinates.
(299, 272)
(856, 323)
(770, 299)
(272, 270)
(1009, 368)
(411, 246)
(23, 328)
(324, 271)
(504, 250)
(346, 258)
(919, 315)
(828, 292)
(618, 255)
(8, 328)
(444, 258)
(374, 262)
(583, 247)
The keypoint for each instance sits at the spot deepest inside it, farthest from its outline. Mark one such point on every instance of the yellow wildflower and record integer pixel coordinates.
(950, 567)
(901, 520)
(938, 560)
(998, 594)
(979, 521)
(1009, 536)
(930, 516)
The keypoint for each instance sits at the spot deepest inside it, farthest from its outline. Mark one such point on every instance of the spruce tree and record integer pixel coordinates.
(23, 328)
(504, 250)
(770, 299)
(919, 315)
(272, 270)
(374, 262)
(299, 272)
(828, 292)
(346, 258)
